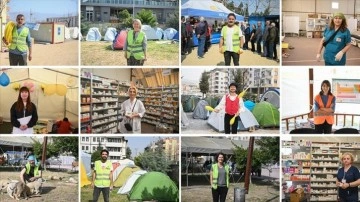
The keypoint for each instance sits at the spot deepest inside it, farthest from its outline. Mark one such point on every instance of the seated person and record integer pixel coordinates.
(64, 126)
(31, 172)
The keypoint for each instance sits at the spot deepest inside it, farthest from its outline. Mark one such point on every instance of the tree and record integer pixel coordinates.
(270, 148)
(124, 15)
(146, 17)
(204, 83)
(154, 160)
(67, 144)
(240, 9)
(137, 161)
(238, 79)
(38, 148)
(128, 153)
(173, 21)
(246, 11)
(231, 6)
(95, 156)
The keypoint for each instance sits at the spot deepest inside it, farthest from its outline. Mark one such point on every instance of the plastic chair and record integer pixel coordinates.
(303, 131)
(347, 131)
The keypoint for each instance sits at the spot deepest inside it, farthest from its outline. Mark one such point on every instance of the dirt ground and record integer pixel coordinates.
(62, 54)
(52, 190)
(100, 54)
(214, 58)
(199, 126)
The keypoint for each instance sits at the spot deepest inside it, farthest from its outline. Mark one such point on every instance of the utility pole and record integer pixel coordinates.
(248, 164)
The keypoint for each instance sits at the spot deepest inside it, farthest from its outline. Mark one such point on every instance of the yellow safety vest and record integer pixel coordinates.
(36, 170)
(215, 175)
(19, 40)
(235, 38)
(102, 178)
(135, 48)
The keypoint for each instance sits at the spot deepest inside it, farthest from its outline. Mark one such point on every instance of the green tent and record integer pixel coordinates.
(154, 186)
(266, 114)
(189, 102)
(124, 175)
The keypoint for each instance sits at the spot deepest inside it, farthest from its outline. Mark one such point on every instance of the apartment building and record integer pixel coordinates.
(116, 145)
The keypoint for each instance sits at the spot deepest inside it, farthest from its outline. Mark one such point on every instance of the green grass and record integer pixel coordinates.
(87, 192)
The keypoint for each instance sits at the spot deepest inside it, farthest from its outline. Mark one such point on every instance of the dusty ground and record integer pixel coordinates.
(100, 53)
(214, 58)
(199, 126)
(87, 191)
(62, 54)
(52, 190)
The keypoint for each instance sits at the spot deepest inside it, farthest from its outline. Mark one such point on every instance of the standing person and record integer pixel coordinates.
(247, 37)
(348, 179)
(23, 108)
(136, 45)
(207, 37)
(336, 40)
(266, 39)
(102, 179)
(31, 171)
(277, 39)
(271, 41)
(21, 43)
(233, 105)
(324, 108)
(231, 41)
(133, 110)
(258, 37)
(253, 38)
(219, 178)
(189, 34)
(183, 36)
(200, 32)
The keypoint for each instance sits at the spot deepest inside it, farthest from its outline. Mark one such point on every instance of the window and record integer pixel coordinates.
(94, 148)
(102, 139)
(90, 15)
(87, 139)
(87, 148)
(83, 139)
(94, 139)
(98, 139)
(83, 148)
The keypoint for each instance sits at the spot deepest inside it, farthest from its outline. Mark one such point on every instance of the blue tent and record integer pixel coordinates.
(176, 37)
(207, 9)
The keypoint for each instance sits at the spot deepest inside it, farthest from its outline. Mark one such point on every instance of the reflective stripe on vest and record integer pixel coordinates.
(102, 178)
(321, 119)
(135, 48)
(36, 169)
(19, 40)
(231, 107)
(235, 38)
(215, 174)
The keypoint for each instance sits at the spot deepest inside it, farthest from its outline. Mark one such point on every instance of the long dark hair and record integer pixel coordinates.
(326, 82)
(217, 156)
(20, 104)
(342, 27)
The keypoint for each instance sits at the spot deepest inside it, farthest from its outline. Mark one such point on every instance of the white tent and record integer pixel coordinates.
(127, 162)
(126, 188)
(159, 33)
(149, 32)
(67, 33)
(169, 33)
(117, 171)
(110, 34)
(49, 107)
(74, 32)
(93, 34)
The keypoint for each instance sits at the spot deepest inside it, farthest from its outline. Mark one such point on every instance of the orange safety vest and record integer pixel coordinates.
(319, 119)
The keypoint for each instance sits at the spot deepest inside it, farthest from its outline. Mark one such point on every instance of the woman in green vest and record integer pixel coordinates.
(135, 45)
(219, 178)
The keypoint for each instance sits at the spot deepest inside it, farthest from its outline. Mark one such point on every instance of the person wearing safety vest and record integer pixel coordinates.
(324, 108)
(31, 172)
(219, 178)
(102, 179)
(135, 45)
(21, 43)
(231, 41)
(233, 106)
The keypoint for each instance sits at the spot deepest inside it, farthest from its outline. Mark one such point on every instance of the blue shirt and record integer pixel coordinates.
(340, 40)
(28, 41)
(351, 175)
(324, 99)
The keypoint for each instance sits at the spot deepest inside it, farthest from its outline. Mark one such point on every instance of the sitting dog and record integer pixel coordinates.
(35, 187)
(15, 189)
(3, 185)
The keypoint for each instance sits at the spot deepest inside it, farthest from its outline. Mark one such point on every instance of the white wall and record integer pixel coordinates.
(121, 74)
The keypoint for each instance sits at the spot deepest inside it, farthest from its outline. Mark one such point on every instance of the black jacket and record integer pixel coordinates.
(15, 115)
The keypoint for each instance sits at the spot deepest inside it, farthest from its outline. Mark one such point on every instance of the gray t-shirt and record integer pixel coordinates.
(221, 176)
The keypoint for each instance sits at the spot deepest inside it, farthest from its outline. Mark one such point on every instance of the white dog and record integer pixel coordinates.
(3, 185)
(35, 187)
(15, 189)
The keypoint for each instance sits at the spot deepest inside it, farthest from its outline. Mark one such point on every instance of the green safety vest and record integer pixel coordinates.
(36, 169)
(215, 174)
(135, 48)
(235, 38)
(19, 40)
(102, 178)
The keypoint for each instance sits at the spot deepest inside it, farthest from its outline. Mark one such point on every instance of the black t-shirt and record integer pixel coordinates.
(351, 175)
(31, 173)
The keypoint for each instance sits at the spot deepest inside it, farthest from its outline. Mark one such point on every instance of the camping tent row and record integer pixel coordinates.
(151, 34)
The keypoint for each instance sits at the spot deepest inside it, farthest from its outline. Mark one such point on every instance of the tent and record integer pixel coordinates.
(200, 112)
(74, 32)
(149, 32)
(93, 34)
(67, 33)
(85, 169)
(273, 96)
(184, 120)
(52, 107)
(249, 105)
(266, 114)
(207, 9)
(119, 42)
(189, 102)
(127, 162)
(154, 186)
(176, 37)
(124, 175)
(110, 34)
(159, 33)
(126, 188)
(169, 33)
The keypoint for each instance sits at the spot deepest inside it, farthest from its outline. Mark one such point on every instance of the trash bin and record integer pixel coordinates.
(239, 194)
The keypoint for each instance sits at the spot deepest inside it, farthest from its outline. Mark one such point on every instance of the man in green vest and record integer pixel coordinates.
(102, 180)
(231, 41)
(21, 43)
(31, 172)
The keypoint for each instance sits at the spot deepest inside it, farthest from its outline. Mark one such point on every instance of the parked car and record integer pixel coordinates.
(53, 161)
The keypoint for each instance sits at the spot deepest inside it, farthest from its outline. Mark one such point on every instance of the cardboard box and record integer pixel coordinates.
(309, 34)
(317, 34)
(313, 15)
(297, 195)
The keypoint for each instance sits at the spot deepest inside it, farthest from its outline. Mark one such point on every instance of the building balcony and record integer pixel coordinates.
(131, 3)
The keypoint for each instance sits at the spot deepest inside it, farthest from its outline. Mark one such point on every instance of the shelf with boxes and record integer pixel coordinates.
(316, 24)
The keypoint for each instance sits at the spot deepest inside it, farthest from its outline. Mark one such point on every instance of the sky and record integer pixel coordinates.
(192, 75)
(137, 144)
(42, 9)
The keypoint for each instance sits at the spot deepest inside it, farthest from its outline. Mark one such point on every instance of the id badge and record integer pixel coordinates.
(338, 39)
(343, 181)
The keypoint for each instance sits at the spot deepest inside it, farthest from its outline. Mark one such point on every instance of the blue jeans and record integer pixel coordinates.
(270, 50)
(201, 46)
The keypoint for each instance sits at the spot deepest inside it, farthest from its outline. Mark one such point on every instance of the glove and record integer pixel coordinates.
(318, 57)
(338, 56)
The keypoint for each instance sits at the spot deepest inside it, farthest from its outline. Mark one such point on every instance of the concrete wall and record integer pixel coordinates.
(122, 74)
